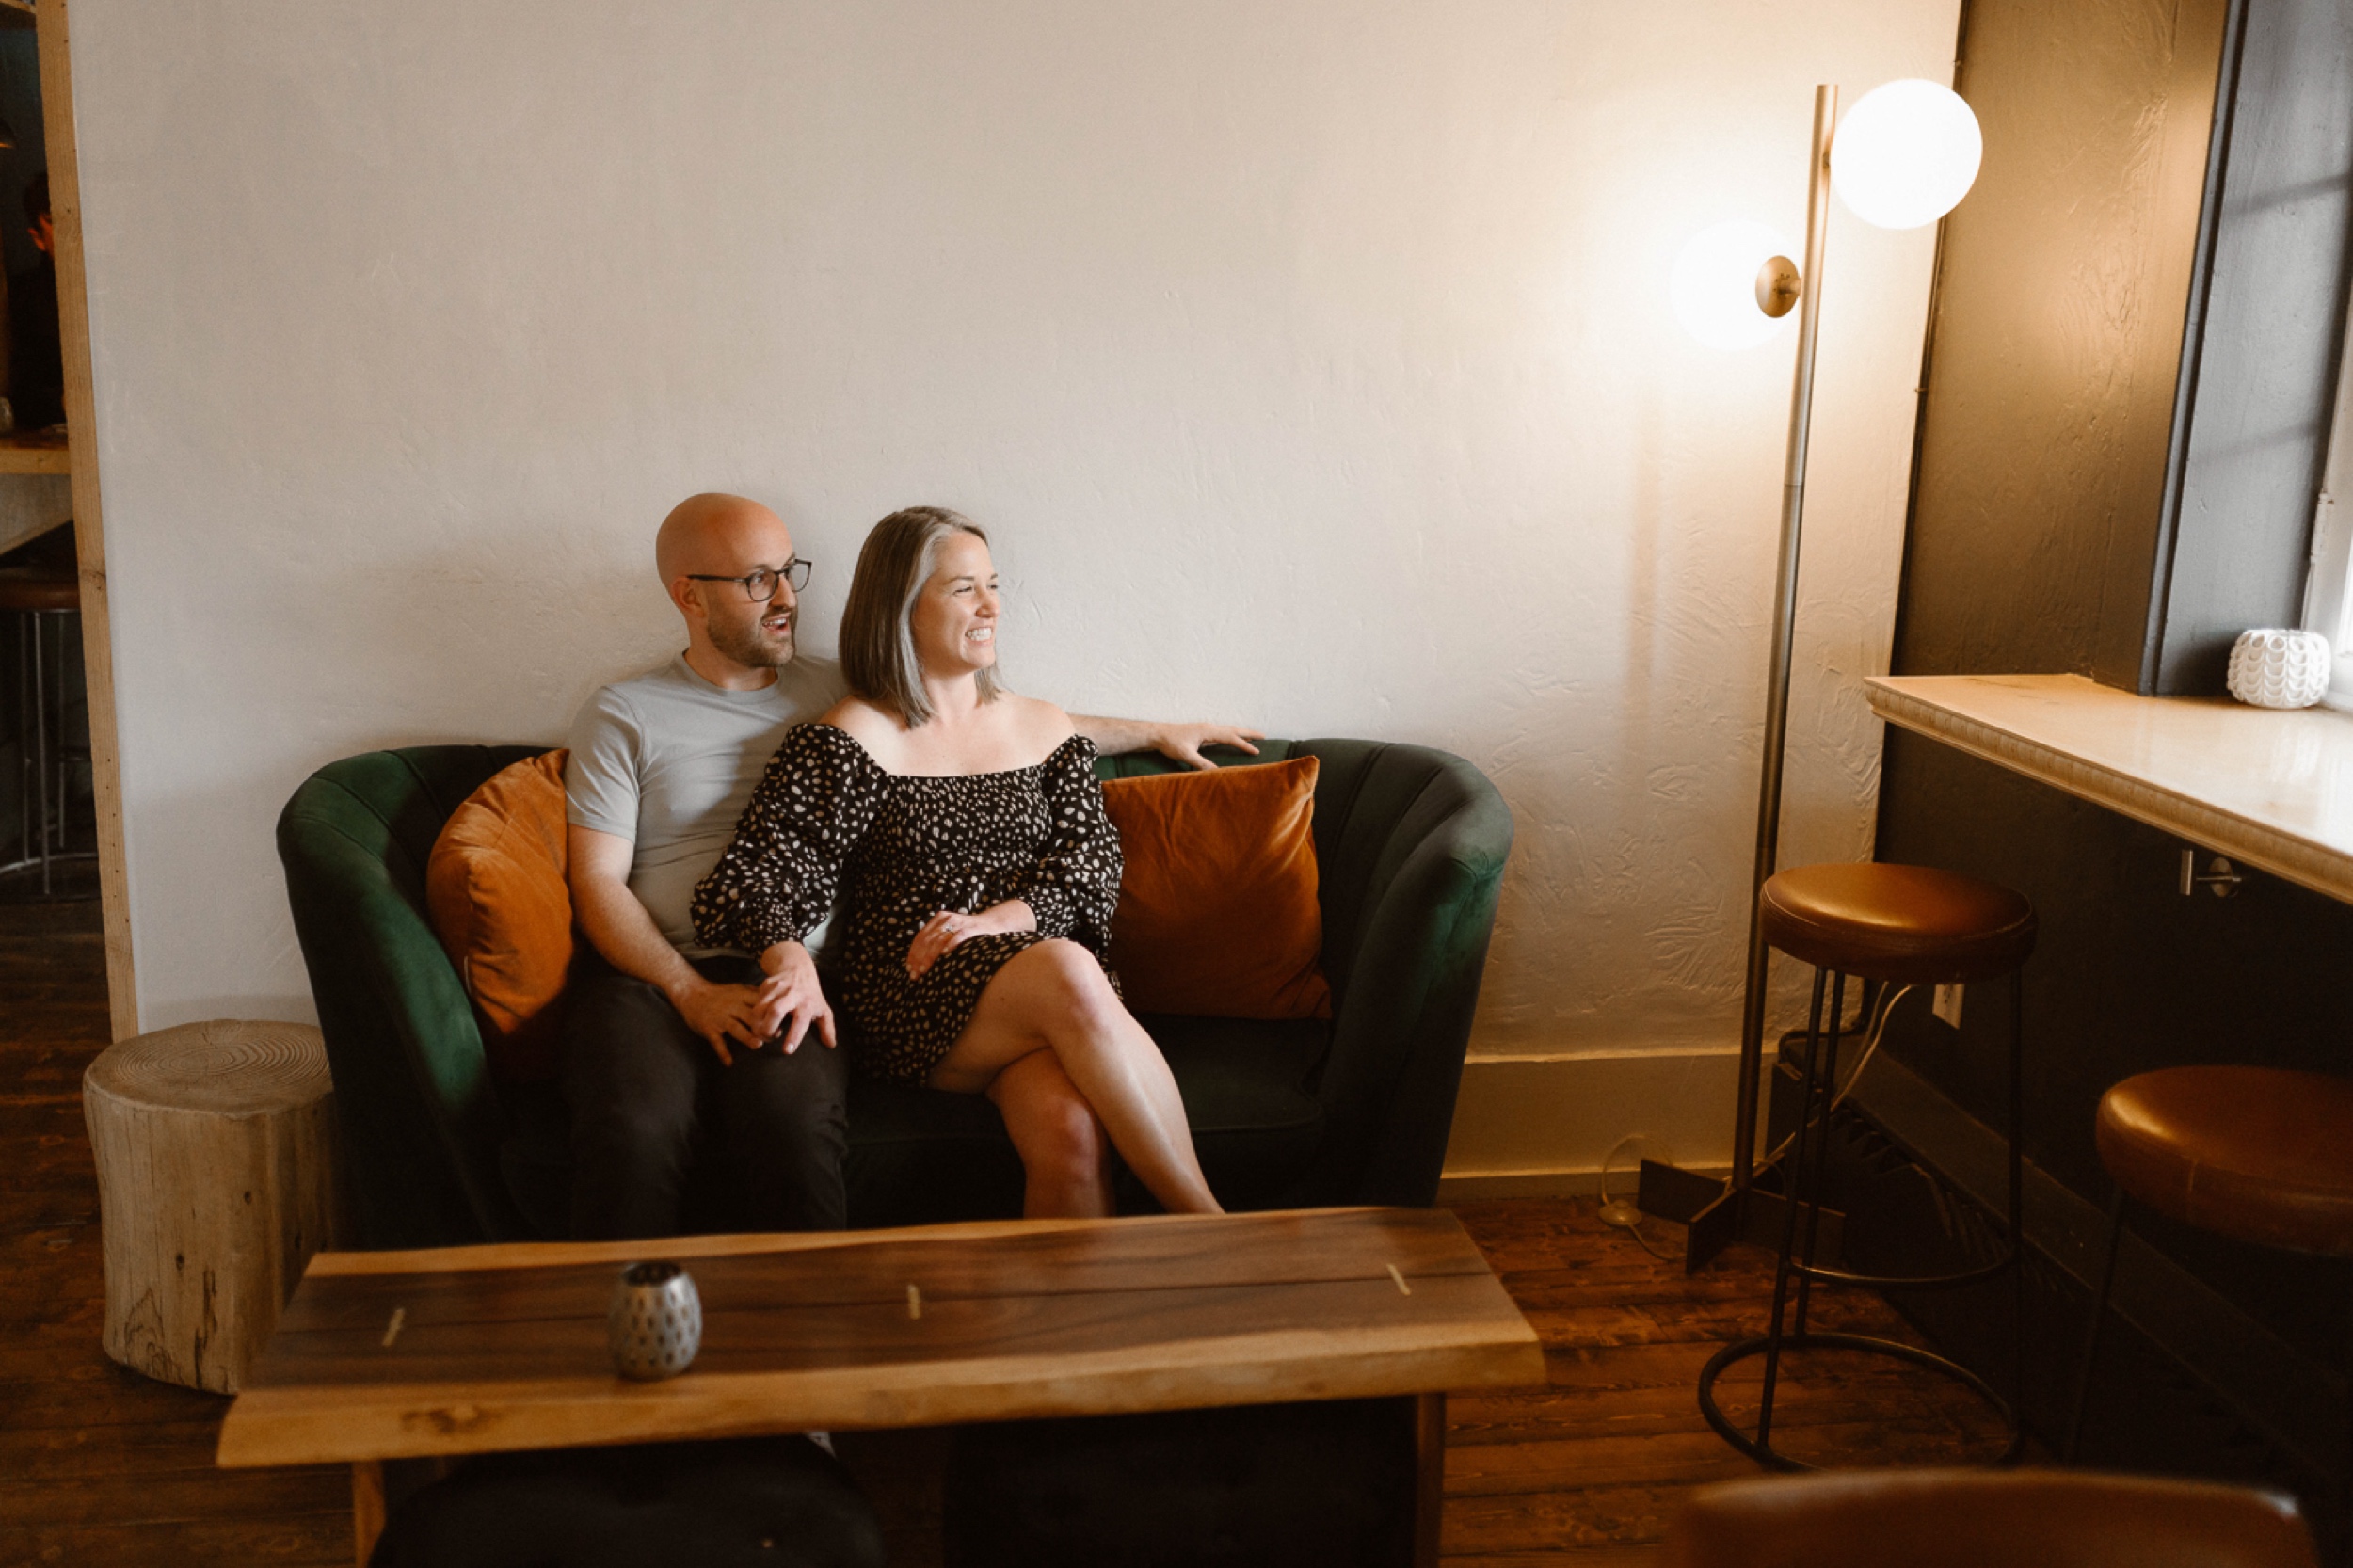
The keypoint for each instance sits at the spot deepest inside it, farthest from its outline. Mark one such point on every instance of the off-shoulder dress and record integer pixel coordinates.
(828, 825)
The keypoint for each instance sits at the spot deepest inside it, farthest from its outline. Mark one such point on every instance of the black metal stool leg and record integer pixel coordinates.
(46, 758)
(2098, 1318)
(26, 697)
(54, 737)
(1819, 1167)
(2018, 1199)
(40, 758)
(1792, 1186)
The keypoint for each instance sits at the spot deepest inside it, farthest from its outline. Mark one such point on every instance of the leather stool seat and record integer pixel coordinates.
(1972, 1519)
(1909, 924)
(35, 589)
(2261, 1154)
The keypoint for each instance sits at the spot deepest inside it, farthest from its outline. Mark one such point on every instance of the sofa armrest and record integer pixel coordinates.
(1414, 859)
(420, 1119)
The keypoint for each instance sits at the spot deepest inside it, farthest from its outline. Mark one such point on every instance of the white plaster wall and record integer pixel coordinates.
(1310, 359)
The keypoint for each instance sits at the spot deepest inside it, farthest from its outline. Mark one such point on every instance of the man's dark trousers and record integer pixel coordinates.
(647, 1097)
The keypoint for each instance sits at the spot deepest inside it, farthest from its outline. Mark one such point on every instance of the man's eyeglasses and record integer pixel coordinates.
(761, 586)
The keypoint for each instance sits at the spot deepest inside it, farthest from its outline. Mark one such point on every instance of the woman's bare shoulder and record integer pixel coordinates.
(864, 723)
(1039, 723)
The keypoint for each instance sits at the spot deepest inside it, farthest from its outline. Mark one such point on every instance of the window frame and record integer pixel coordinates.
(2328, 577)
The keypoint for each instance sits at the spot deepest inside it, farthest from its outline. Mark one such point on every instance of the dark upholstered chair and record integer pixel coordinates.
(1409, 845)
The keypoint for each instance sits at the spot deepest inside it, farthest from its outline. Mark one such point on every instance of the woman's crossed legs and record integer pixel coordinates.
(1068, 1064)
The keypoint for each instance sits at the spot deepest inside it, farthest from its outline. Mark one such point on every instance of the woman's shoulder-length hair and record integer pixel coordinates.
(877, 636)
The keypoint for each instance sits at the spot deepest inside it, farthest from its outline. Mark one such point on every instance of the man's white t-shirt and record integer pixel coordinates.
(668, 762)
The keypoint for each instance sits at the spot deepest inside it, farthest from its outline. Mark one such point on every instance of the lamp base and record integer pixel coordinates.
(1717, 1214)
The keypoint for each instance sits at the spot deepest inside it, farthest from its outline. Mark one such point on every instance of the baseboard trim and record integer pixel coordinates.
(1553, 1119)
(1578, 1181)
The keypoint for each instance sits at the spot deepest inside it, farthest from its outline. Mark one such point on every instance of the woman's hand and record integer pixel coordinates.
(946, 929)
(790, 1002)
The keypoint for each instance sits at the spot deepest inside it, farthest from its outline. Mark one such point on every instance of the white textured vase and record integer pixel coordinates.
(2275, 668)
(657, 1321)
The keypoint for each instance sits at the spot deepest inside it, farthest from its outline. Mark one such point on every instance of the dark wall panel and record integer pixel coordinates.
(2262, 371)
(2057, 339)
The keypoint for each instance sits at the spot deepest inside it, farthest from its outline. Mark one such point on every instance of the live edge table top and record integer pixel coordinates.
(504, 1347)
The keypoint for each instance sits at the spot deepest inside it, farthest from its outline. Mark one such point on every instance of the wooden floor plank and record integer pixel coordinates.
(231, 1537)
(166, 1497)
(159, 1445)
(1567, 1557)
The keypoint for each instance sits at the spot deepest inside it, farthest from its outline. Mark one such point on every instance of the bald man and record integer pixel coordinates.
(677, 1050)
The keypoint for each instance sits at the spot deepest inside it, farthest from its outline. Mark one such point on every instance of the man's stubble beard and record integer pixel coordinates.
(747, 647)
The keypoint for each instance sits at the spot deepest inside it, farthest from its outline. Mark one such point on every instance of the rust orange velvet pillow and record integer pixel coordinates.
(494, 887)
(1217, 907)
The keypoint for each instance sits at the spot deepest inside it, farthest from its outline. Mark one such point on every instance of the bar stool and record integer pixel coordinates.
(43, 601)
(2261, 1155)
(1906, 925)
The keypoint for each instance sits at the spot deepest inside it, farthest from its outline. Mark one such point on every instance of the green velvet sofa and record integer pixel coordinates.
(1410, 845)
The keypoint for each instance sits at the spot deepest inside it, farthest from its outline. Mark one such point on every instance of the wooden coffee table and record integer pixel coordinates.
(475, 1350)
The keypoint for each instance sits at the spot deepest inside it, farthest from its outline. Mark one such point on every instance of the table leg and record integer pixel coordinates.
(1429, 1477)
(367, 1508)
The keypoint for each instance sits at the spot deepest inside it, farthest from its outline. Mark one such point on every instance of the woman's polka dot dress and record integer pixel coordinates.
(827, 824)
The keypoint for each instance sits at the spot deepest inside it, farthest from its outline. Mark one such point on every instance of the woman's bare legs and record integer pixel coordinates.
(1065, 1155)
(1054, 997)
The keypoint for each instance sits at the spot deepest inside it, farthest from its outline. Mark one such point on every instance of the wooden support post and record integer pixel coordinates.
(90, 535)
(1429, 1477)
(367, 1508)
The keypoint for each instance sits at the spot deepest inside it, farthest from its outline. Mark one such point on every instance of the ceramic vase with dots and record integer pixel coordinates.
(2277, 669)
(657, 1321)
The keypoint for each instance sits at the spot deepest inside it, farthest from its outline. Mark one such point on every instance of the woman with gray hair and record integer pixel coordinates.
(963, 829)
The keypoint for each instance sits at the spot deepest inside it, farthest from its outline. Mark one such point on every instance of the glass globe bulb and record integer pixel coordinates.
(1712, 286)
(1906, 154)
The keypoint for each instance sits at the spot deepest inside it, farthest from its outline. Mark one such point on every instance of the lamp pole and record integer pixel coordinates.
(1785, 634)
(1722, 1212)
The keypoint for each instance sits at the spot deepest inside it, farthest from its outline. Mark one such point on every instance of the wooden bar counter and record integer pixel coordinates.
(2269, 786)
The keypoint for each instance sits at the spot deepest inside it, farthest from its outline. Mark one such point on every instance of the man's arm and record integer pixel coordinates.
(1180, 743)
(623, 931)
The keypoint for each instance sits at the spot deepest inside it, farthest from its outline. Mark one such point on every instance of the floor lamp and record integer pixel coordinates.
(1905, 155)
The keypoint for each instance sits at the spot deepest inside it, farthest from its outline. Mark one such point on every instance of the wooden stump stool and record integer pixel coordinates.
(218, 1178)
